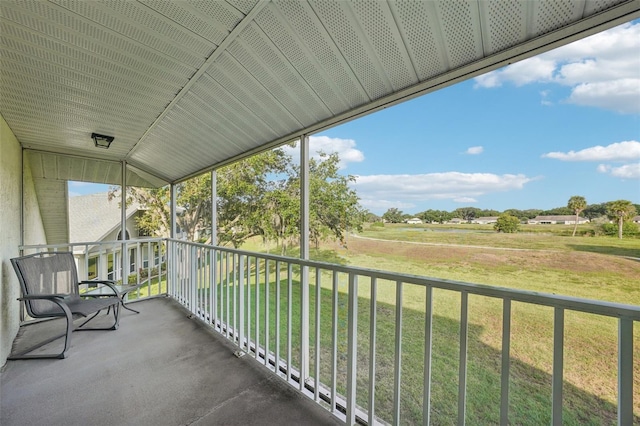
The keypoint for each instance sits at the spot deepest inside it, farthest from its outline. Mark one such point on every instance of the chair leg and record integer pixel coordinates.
(116, 316)
(67, 341)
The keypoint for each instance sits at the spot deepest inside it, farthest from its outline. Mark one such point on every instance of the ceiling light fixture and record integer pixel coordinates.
(102, 141)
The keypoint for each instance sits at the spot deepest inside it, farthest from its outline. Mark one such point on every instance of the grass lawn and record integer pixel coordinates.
(155, 287)
(557, 264)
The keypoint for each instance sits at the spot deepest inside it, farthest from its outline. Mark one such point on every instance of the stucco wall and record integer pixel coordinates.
(10, 197)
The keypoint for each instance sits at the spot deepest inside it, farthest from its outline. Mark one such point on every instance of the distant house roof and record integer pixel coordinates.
(486, 218)
(92, 217)
(559, 218)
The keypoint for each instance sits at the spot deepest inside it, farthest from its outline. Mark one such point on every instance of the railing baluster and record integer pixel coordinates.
(241, 278)
(267, 325)
(352, 348)
(149, 257)
(428, 342)
(373, 297)
(397, 372)
(558, 366)
(316, 390)
(235, 259)
(334, 340)
(289, 313)
(220, 290)
(193, 282)
(258, 312)
(249, 301)
(201, 286)
(506, 361)
(625, 371)
(212, 287)
(227, 295)
(462, 373)
(277, 279)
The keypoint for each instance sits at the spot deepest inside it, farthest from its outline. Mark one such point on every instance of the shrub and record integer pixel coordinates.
(629, 229)
(377, 224)
(507, 223)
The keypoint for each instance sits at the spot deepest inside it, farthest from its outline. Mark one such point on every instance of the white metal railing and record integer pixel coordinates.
(256, 301)
(105, 260)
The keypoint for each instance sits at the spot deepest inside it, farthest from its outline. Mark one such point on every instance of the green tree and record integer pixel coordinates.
(523, 214)
(558, 211)
(372, 217)
(193, 198)
(621, 211)
(435, 216)
(252, 198)
(594, 211)
(577, 204)
(393, 215)
(467, 213)
(334, 206)
(258, 196)
(507, 223)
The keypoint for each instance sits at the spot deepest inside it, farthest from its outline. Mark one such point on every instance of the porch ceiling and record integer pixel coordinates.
(191, 85)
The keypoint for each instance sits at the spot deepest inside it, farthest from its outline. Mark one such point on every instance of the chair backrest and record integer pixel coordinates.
(46, 273)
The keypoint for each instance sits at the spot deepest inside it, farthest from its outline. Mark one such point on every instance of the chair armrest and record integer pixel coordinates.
(97, 282)
(108, 283)
(45, 296)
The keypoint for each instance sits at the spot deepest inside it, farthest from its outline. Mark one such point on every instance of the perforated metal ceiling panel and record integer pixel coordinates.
(185, 86)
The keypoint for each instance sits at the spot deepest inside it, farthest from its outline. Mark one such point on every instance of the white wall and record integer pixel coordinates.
(10, 208)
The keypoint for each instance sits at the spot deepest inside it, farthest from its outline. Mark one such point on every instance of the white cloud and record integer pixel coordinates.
(465, 200)
(603, 168)
(383, 205)
(474, 150)
(601, 70)
(621, 151)
(618, 95)
(544, 95)
(628, 171)
(457, 186)
(346, 149)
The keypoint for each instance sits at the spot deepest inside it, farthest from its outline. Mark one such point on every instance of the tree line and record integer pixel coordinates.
(394, 215)
(620, 211)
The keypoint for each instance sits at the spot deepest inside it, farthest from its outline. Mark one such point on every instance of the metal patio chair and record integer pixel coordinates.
(50, 289)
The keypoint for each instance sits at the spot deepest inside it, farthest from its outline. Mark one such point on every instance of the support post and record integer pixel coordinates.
(172, 231)
(123, 224)
(304, 254)
(214, 208)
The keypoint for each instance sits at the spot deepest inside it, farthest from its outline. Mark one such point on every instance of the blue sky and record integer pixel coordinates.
(530, 135)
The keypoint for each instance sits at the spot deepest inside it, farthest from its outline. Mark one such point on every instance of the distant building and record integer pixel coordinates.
(557, 220)
(414, 221)
(636, 219)
(92, 219)
(485, 220)
(456, 220)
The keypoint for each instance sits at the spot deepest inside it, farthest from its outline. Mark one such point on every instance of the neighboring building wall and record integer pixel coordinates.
(11, 174)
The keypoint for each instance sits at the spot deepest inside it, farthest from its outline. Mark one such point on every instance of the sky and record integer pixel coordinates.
(529, 135)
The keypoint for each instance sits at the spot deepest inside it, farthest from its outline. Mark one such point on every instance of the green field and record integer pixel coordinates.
(549, 260)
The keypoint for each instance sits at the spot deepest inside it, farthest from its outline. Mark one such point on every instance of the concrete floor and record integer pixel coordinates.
(158, 368)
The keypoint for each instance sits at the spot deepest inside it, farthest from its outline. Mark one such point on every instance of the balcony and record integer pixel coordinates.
(323, 343)
(159, 368)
